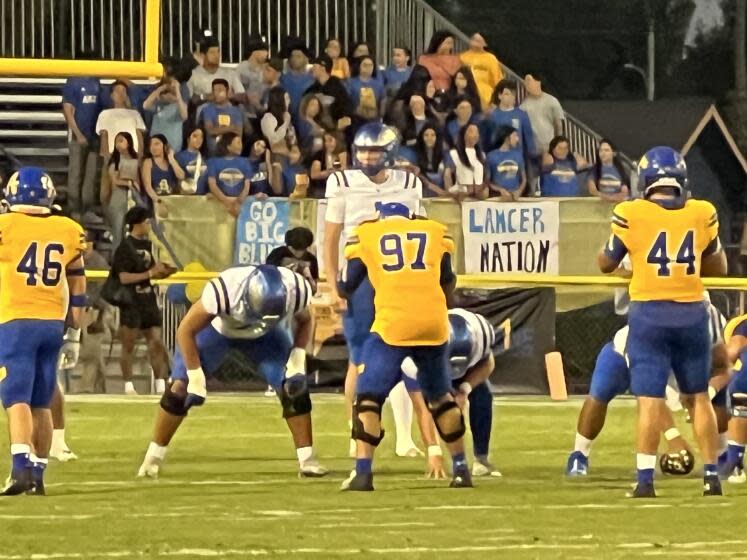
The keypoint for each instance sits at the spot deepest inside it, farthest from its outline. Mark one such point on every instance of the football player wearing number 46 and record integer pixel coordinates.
(41, 274)
(672, 241)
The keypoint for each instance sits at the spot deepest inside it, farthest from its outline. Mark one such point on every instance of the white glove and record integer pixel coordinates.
(70, 350)
(196, 388)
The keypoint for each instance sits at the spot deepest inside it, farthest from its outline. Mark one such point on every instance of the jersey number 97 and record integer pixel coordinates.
(392, 245)
(51, 268)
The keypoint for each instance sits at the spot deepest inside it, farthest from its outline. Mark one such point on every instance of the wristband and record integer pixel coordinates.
(435, 451)
(465, 388)
(671, 434)
(78, 300)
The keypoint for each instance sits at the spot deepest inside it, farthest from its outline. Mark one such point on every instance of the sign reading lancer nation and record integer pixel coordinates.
(260, 228)
(510, 237)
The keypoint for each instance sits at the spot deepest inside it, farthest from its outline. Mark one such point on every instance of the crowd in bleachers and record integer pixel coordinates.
(280, 125)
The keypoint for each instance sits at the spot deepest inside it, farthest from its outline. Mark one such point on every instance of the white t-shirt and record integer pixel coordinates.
(465, 175)
(201, 81)
(223, 297)
(115, 121)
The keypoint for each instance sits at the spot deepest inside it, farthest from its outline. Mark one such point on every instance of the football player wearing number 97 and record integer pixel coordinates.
(41, 274)
(672, 241)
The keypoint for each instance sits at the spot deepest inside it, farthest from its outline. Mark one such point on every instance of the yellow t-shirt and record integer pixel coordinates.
(487, 72)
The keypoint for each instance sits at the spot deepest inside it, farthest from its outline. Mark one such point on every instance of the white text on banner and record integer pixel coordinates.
(260, 228)
(507, 237)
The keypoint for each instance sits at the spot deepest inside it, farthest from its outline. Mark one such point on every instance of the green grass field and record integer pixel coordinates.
(230, 490)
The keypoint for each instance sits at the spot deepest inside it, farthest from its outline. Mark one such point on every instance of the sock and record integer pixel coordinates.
(482, 458)
(129, 386)
(21, 454)
(58, 439)
(363, 466)
(709, 470)
(160, 386)
(38, 467)
(459, 461)
(723, 442)
(583, 444)
(481, 418)
(156, 451)
(304, 454)
(296, 362)
(735, 453)
(402, 412)
(646, 465)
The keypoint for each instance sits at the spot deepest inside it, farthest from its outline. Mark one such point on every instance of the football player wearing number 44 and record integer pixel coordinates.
(41, 274)
(672, 241)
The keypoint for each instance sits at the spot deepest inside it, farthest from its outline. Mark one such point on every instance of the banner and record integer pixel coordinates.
(510, 237)
(260, 228)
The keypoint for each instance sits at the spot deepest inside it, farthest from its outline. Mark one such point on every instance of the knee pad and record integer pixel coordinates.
(173, 403)
(297, 405)
(739, 405)
(359, 431)
(454, 435)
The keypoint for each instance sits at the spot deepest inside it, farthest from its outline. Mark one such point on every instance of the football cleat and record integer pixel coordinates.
(37, 489)
(737, 476)
(484, 468)
(358, 483)
(312, 469)
(270, 392)
(63, 455)
(18, 483)
(578, 464)
(728, 469)
(712, 486)
(642, 490)
(150, 468)
(461, 478)
(130, 391)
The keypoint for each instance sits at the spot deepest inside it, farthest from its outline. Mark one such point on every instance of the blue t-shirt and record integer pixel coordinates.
(167, 121)
(371, 92)
(395, 77)
(222, 115)
(296, 84)
(610, 181)
(289, 177)
(85, 95)
(188, 160)
(259, 177)
(453, 127)
(229, 173)
(163, 181)
(518, 119)
(505, 168)
(560, 179)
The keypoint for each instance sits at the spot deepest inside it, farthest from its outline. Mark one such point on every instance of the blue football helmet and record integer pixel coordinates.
(460, 345)
(662, 166)
(30, 188)
(387, 209)
(375, 148)
(265, 297)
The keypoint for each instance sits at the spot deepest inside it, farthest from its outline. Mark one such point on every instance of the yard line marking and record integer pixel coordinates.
(390, 524)
(50, 517)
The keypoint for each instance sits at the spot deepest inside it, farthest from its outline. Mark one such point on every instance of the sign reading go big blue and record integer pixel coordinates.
(260, 228)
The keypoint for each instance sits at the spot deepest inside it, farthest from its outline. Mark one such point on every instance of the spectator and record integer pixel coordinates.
(340, 66)
(124, 176)
(193, 160)
(332, 158)
(430, 160)
(417, 116)
(545, 113)
(465, 176)
(81, 105)
(311, 125)
(169, 111)
(295, 254)
(507, 113)
(161, 171)
(271, 78)
(200, 84)
(560, 169)
(464, 86)
(135, 266)
(276, 124)
(399, 71)
(359, 49)
(415, 85)
(297, 79)
(204, 36)
(251, 73)
(295, 175)
(505, 164)
(463, 115)
(485, 68)
(120, 118)
(333, 94)
(440, 60)
(438, 102)
(229, 174)
(266, 178)
(366, 91)
(609, 180)
(219, 116)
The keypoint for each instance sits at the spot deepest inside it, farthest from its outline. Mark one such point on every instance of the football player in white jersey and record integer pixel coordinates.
(249, 309)
(352, 197)
(611, 377)
(471, 342)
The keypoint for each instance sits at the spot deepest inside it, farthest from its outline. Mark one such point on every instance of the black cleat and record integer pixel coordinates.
(462, 479)
(19, 485)
(642, 491)
(712, 486)
(358, 483)
(37, 489)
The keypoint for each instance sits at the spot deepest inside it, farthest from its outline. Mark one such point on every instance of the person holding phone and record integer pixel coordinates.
(135, 266)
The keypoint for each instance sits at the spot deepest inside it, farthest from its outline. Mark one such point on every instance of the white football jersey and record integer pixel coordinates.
(352, 196)
(222, 297)
(482, 338)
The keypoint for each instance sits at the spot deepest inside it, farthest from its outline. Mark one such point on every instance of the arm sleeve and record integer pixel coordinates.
(211, 297)
(68, 92)
(235, 82)
(447, 272)
(78, 243)
(101, 123)
(208, 114)
(351, 276)
(270, 129)
(712, 225)
(139, 123)
(528, 134)
(616, 247)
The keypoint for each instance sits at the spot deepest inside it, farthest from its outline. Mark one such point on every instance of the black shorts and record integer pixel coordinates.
(145, 314)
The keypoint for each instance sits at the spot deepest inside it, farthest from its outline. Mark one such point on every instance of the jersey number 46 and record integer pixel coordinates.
(51, 269)
(685, 255)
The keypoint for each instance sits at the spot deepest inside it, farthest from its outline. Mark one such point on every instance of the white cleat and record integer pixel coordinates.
(312, 469)
(150, 468)
(480, 468)
(737, 476)
(346, 483)
(63, 455)
(411, 451)
(270, 392)
(130, 391)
